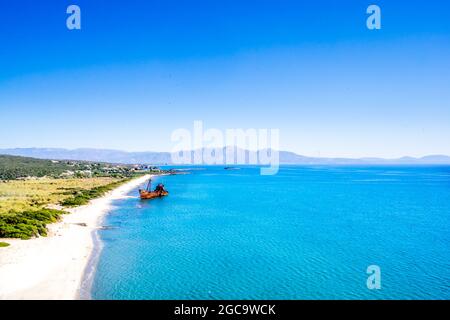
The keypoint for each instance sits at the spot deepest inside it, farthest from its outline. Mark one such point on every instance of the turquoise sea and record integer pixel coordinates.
(309, 232)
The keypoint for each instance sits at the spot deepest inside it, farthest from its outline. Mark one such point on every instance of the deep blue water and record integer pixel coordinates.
(305, 233)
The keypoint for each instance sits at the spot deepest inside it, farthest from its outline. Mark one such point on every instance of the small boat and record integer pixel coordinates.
(159, 191)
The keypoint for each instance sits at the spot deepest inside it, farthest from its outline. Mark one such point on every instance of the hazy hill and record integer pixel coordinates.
(117, 156)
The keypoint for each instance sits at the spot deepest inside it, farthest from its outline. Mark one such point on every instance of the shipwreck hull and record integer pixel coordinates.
(152, 194)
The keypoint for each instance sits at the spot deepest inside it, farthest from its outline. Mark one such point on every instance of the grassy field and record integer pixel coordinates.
(24, 210)
(28, 186)
(20, 195)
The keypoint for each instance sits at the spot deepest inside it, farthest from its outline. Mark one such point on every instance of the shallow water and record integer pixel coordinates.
(305, 233)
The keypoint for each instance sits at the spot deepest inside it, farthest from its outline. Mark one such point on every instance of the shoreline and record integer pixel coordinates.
(87, 278)
(56, 266)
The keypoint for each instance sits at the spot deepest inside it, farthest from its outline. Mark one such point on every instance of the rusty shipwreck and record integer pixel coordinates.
(147, 193)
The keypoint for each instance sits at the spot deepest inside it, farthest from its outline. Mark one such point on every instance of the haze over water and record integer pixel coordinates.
(305, 233)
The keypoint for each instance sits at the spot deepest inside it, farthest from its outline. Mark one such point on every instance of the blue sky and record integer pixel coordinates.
(137, 70)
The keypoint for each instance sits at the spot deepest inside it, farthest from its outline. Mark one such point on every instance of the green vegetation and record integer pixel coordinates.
(81, 197)
(13, 167)
(33, 192)
(16, 167)
(24, 211)
(4, 244)
(27, 224)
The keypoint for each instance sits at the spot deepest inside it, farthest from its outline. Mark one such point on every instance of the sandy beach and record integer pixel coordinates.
(53, 267)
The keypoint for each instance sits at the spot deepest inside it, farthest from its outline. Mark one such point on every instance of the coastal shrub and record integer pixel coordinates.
(81, 197)
(27, 224)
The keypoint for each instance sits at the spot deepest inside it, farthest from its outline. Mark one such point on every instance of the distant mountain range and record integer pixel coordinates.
(117, 156)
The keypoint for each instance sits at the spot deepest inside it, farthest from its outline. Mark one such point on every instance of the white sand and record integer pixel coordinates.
(53, 267)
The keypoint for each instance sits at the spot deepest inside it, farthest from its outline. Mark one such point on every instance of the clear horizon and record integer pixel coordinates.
(134, 73)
